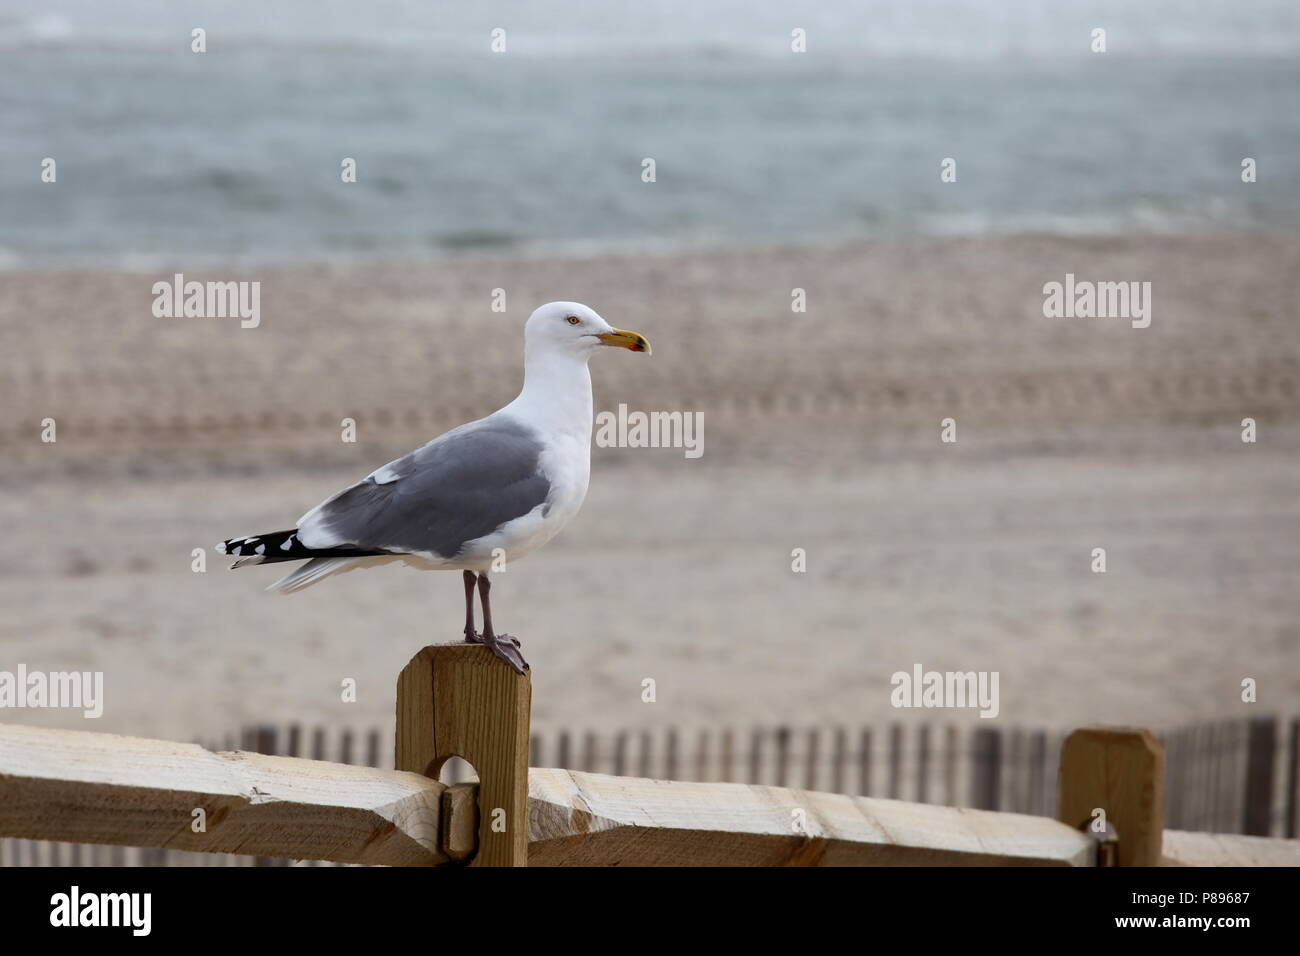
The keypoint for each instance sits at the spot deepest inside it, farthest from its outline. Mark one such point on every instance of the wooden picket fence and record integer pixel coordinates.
(1235, 776)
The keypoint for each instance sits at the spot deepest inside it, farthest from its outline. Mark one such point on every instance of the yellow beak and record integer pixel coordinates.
(625, 340)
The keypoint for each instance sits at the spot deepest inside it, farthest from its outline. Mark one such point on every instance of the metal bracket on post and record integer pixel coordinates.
(1107, 843)
(461, 700)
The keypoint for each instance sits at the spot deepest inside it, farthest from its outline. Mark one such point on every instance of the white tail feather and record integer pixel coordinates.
(317, 569)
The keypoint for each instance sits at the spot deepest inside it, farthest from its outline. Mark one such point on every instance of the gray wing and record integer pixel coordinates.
(460, 486)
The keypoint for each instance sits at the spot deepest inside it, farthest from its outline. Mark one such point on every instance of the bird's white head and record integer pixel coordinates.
(574, 329)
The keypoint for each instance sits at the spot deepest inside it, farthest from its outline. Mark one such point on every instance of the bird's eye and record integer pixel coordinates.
(573, 320)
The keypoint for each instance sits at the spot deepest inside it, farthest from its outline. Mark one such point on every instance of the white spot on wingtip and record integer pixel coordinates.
(221, 547)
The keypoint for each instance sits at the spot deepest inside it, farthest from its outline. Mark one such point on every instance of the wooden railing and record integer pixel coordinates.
(1230, 775)
(459, 700)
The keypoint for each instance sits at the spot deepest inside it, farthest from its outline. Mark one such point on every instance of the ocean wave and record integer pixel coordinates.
(729, 29)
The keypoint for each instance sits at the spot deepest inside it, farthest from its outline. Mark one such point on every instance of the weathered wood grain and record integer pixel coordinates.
(1120, 770)
(586, 819)
(461, 700)
(101, 788)
(1183, 848)
(459, 836)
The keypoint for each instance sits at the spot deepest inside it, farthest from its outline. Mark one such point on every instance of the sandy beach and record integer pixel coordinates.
(821, 432)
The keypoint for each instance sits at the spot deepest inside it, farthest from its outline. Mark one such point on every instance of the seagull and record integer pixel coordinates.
(483, 494)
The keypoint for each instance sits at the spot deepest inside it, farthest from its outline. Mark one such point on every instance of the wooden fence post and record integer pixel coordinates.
(986, 768)
(1122, 771)
(1291, 818)
(461, 700)
(1261, 746)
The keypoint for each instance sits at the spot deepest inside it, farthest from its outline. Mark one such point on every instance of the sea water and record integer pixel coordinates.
(236, 153)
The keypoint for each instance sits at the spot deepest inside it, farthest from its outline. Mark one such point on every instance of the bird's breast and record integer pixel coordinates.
(567, 466)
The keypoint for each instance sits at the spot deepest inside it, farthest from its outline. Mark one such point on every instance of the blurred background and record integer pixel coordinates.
(522, 171)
